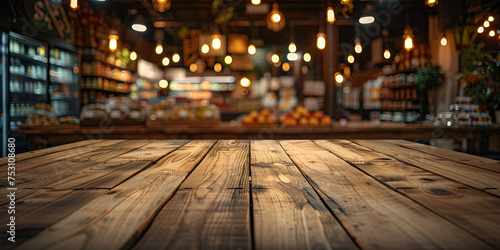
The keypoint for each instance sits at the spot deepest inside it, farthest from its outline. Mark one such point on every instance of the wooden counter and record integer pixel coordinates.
(477, 136)
(257, 194)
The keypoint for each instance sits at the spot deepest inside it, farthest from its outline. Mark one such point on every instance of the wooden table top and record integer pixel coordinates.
(258, 194)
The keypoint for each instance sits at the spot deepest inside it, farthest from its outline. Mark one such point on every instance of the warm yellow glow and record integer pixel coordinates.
(321, 41)
(159, 49)
(113, 42)
(193, 67)
(491, 19)
(275, 58)
(408, 43)
(205, 85)
(431, 3)
(286, 67)
(492, 33)
(165, 61)
(205, 48)
(444, 41)
(276, 18)
(486, 24)
(217, 67)
(228, 59)
(345, 2)
(480, 29)
(139, 27)
(163, 84)
(339, 78)
(73, 4)
(292, 57)
(216, 42)
(330, 15)
(255, 2)
(251, 49)
(350, 59)
(176, 58)
(133, 56)
(358, 49)
(307, 57)
(292, 47)
(366, 20)
(387, 54)
(245, 82)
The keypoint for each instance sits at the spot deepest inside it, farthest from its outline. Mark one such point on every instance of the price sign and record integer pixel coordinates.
(49, 16)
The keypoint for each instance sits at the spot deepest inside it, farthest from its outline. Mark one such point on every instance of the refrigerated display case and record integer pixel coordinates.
(3, 91)
(63, 88)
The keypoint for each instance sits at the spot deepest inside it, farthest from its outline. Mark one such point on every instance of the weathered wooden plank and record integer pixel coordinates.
(32, 161)
(474, 211)
(211, 209)
(27, 183)
(468, 159)
(42, 209)
(376, 216)
(286, 206)
(116, 219)
(110, 173)
(481, 179)
(46, 151)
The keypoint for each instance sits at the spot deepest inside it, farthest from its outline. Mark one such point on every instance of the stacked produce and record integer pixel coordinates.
(300, 116)
(262, 117)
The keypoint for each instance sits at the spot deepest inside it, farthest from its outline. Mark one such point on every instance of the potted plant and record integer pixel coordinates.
(428, 78)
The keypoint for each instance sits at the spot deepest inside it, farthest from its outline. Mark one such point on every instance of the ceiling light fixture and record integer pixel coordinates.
(387, 54)
(205, 48)
(321, 41)
(350, 59)
(366, 19)
(292, 57)
(255, 2)
(480, 30)
(133, 56)
(357, 47)
(431, 3)
(73, 4)
(159, 49)
(307, 57)
(444, 41)
(228, 59)
(139, 24)
(285, 67)
(176, 58)
(275, 58)
(251, 49)
(275, 20)
(162, 5)
(486, 24)
(113, 39)
(292, 47)
(165, 61)
(330, 15)
(245, 82)
(491, 19)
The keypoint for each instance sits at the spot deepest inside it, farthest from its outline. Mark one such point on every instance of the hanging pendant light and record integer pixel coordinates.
(321, 41)
(307, 57)
(251, 49)
(444, 41)
(330, 15)
(345, 2)
(73, 4)
(408, 38)
(113, 39)
(176, 58)
(387, 54)
(159, 49)
(275, 20)
(159, 37)
(431, 3)
(133, 55)
(357, 47)
(162, 5)
(350, 59)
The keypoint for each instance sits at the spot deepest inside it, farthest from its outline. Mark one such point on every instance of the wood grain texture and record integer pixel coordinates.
(474, 211)
(109, 173)
(116, 219)
(285, 205)
(211, 209)
(43, 208)
(481, 179)
(376, 216)
(468, 159)
(49, 172)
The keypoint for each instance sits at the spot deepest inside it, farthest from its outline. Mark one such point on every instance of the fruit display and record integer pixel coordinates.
(300, 116)
(262, 117)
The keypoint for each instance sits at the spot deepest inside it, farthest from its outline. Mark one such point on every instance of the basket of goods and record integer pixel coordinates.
(300, 116)
(264, 118)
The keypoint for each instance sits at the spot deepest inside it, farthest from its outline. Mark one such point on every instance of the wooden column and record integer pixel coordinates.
(331, 61)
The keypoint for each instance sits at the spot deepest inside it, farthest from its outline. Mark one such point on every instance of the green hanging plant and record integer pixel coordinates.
(429, 77)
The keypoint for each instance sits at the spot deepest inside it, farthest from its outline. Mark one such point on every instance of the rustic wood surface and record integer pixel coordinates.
(252, 194)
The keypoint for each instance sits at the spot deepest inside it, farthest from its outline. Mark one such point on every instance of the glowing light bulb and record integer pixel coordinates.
(276, 18)
(330, 15)
(491, 19)
(163, 84)
(245, 82)
(387, 54)
(339, 78)
(444, 41)
(251, 49)
(73, 4)
(255, 2)
(205, 48)
(193, 67)
(286, 67)
(176, 58)
(133, 56)
(408, 43)
(113, 42)
(228, 59)
(358, 49)
(216, 42)
(307, 57)
(492, 33)
(480, 30)
(159, 49)
(217, 67)
(321, 41)
(275, 58)
(350, 59)
(292, 47)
